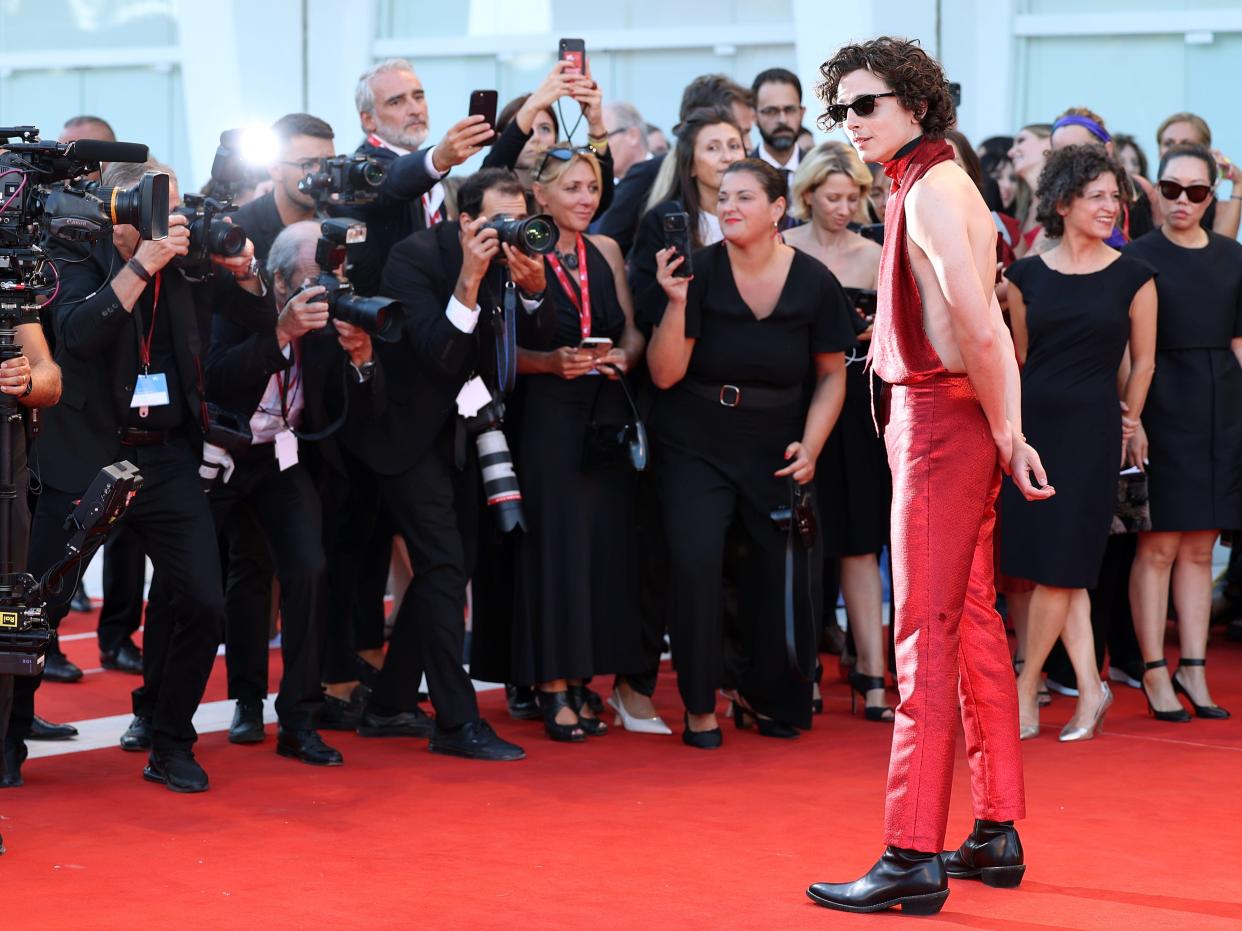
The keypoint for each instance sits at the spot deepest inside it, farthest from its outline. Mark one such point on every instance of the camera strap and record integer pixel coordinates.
(803, 670)
(504, 332)
(580, 298)
(144, 345)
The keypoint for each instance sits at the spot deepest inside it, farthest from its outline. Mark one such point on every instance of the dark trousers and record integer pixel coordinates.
(124, 573)
(286, 507)
(247, 565)
(431, 623)
(6, 703)
(172, 521)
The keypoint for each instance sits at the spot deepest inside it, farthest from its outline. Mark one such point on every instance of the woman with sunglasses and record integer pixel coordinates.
(708, 142)
(733, 348)
(1075, 310)
(1190, 440)
(577, 607)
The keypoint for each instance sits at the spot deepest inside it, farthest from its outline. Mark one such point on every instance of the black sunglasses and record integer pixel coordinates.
(1195, 193)
(561, 153)
(863, 106)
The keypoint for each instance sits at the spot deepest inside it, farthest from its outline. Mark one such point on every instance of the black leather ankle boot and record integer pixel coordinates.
(992, 853)
(916, 881)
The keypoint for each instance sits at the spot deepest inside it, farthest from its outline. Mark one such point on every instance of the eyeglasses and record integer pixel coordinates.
(771, 113)
(561, 154)
(307, 164)
(1195, 193)
(863, 106)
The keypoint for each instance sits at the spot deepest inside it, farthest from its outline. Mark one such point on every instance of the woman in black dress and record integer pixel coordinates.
(853, 481)
(1074, 310)
(577, 606)
(733, 347)
(1191, 432)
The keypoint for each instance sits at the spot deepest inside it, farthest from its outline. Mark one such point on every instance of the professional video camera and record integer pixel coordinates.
(535, 235)
(382, 317)
(345, 180)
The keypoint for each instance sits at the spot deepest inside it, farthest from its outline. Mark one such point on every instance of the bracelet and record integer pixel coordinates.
(600, 137)
(137, 268)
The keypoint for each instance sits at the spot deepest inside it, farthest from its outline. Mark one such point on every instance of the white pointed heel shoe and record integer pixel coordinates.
(654, 725)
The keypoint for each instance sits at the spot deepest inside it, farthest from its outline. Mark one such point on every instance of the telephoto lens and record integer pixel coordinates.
(500, 484)
(535, 235)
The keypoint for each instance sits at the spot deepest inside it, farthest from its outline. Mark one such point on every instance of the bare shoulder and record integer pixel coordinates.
(609, 249)
(946, 197)
(797, 236)
(868, 248)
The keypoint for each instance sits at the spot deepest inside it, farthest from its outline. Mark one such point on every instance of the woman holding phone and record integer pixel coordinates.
(733, 347)
(577, 607)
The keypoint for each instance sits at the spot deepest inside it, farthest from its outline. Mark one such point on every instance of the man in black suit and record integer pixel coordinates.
(779, 111)
(130, 334)
(392, 108)
(620, 221)
(449, 280)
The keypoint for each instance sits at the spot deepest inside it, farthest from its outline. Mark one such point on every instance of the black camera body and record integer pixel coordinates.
(210, 233)
(798, 514)
(345, 180)
(535, 235)
(381, 317)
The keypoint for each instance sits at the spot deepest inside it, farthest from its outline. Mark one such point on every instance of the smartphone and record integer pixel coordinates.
(600, 345)
(483, 103)
(873, 231)
(677, 235)
(573, 50)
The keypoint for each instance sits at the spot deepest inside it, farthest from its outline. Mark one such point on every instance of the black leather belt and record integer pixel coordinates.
(749, 397)
(135, 437)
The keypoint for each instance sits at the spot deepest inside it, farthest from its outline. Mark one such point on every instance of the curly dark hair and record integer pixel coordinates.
(1066, 174)
(914, 76)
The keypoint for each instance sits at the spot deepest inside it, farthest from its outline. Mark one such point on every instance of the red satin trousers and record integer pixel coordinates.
(951, 648)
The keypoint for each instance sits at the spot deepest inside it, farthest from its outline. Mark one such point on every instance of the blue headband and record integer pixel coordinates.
(1091, 125)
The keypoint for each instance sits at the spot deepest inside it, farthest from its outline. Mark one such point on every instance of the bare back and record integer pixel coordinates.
(951, 250)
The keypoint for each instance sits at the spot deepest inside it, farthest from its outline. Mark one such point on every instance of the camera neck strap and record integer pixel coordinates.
(580, 298)
(144, 345)
(504, 331)
(801, 662)
(288, 381)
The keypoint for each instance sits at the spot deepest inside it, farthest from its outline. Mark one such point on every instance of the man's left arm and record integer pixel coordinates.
(33, 378)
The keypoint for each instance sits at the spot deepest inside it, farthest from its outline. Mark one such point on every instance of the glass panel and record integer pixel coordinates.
(1121, 8)
(87, 23)
(1211, 73)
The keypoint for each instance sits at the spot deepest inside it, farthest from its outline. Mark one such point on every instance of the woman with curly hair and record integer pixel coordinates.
(1075, 310)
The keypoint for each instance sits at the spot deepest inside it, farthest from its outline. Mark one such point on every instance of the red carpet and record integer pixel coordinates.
(1137, 829)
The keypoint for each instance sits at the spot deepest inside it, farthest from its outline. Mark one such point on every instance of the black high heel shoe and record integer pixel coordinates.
(594, 727)
(861, 685)
(550, 704)
(701, 740)
(1214, 712)
(1181, 715)
(743, 717)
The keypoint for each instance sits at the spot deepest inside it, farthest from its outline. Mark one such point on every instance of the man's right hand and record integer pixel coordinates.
(154, 254)
(301, 314)
(463, 140)
(478, 247)
(1022, 465)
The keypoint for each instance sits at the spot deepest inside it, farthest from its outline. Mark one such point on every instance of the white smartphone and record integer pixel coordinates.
(599, 345)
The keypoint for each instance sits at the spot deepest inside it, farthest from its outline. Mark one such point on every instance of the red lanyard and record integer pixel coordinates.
(582, 299)
(289, 389)
(144, 345)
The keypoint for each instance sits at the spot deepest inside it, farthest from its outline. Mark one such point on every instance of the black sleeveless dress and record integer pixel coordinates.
(1078, 327)
(1193, 415)
(576, 611)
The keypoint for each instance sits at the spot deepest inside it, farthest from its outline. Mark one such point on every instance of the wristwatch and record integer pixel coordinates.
(363, 372)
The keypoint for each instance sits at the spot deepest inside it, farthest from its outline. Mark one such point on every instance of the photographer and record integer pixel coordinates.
(129, 336)
(34, 380)
(264, 375)
(445, 277)
(392, 108)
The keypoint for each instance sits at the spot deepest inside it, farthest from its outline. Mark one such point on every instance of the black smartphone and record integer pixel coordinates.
(573, 50)
(677, 235)
(863, 300)
(483, 103)
(873, 231)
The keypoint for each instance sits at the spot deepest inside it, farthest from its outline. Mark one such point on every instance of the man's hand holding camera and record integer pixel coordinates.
(356, 342)
(302, 313)
(15, 376)
(154, 254)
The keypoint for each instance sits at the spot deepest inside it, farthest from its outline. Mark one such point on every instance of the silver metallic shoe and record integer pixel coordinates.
(1069, 734)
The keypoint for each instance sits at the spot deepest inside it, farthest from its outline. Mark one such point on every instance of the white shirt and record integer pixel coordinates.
(709, 228)
(267, 420)
(794, 161)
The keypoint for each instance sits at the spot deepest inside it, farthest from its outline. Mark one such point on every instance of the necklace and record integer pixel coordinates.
(569, 259)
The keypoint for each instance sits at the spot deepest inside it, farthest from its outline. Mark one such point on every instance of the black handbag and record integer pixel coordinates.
(613, 445)
(1132, 511)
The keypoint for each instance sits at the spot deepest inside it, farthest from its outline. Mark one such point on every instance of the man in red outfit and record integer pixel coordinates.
(954, 423)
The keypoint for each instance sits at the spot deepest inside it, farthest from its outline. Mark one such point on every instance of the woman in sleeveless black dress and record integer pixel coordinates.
(577, 609)
(729, 431)
(1192, 429)
(1075, 310)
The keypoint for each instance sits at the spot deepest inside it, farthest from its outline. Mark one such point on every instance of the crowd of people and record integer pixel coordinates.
(681, 379)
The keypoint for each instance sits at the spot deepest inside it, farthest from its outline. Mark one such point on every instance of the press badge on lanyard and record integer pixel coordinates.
(151, 388)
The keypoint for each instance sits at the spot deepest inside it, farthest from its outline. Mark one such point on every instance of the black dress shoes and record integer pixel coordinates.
(522, 704)
(412, 723)
(247, 726)
(138, 735)
(14, 756)
(176, 769)
(41, 729)
(125, 658)
(338, 714)
(306, 745)
(474, 740)
(992, 853)
(57, 668)
(915, 881)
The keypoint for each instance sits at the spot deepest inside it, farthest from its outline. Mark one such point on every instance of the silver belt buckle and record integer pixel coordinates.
(730, 395)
